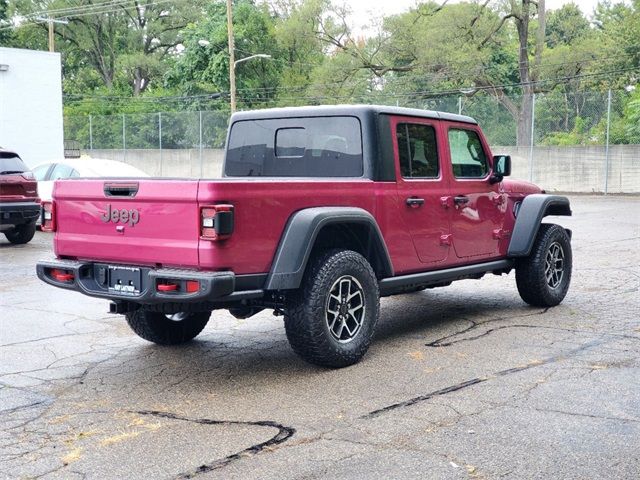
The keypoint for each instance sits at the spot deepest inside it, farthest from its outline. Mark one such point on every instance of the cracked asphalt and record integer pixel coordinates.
(461, 382)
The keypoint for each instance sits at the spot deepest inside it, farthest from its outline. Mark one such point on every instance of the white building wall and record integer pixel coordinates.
(31, 104)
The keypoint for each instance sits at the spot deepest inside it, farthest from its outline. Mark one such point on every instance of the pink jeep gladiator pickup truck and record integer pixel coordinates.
(320, 212)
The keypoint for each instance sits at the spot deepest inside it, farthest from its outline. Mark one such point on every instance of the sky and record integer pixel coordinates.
(364, 11)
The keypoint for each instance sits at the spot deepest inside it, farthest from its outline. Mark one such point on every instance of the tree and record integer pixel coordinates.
(203, 66)
(478, 47)
(566, 26)
(522, 13)
(129, 43)
(301, 52)
(6, 34)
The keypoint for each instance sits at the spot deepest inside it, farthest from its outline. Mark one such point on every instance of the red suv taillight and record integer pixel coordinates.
(48, 220)
(216, 222)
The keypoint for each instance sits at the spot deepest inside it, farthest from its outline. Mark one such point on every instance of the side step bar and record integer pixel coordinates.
(392, 285)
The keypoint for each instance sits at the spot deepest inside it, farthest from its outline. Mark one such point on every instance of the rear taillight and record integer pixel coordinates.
(167, 285)
(48, 220)
(216, 222)
(60, 275)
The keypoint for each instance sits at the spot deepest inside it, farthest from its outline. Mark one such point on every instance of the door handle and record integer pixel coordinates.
(461, 199)
(414, 202)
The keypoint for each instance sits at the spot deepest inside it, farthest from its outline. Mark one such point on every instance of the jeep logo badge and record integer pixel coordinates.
(123, 216)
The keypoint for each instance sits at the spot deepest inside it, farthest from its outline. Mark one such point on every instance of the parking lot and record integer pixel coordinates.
(461, 382)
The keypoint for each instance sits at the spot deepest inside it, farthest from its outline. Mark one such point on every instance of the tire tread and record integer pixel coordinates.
(21, 234)
(530, 278)
(157, 328)
(305, 306)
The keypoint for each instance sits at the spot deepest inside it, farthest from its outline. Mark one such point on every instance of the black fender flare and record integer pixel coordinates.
(300, 234)
(529, 216)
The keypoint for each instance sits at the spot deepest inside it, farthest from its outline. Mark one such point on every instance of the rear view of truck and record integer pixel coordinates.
(167, 252)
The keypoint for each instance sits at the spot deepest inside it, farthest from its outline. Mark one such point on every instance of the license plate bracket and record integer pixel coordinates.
(125, 280)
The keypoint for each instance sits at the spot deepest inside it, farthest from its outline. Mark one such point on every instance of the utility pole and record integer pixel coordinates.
(232, 57)
(50, 21)
(52, 47)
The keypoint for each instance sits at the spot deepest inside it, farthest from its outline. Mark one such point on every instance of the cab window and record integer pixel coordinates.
(468, 159)
(417, 150)
(295, 147)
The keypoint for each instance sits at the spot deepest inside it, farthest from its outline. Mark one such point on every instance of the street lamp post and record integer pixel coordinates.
(232, 74)
(232, 57)
(257, 55)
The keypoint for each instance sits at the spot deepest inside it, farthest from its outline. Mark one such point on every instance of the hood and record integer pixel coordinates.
(519, 186)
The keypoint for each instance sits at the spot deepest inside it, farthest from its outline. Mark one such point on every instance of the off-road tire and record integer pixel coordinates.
(21, 234)
(306, 319)
(158, 328)
(531, 272)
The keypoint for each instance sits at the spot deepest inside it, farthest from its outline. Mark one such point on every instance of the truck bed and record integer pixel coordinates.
(167, 232)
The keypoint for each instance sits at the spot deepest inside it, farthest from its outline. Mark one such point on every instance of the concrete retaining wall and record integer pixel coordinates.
(566, 169)
(169, 163)
(578, 169)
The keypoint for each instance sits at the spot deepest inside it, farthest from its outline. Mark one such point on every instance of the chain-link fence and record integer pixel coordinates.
(574, 141)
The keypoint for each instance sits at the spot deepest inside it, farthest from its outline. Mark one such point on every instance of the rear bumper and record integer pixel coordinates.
(19, 213)
(92, 279)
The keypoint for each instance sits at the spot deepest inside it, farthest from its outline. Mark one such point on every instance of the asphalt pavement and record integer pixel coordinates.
(461, 382)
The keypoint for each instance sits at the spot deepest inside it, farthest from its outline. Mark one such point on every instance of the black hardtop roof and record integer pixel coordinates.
(358, 110)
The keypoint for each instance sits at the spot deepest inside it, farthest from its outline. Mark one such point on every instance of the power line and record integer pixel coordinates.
(427, 93)
(333, 98)
(77, 8)
(263, 92)
(101, 10)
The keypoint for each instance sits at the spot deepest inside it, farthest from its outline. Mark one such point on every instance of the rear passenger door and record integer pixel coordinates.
(478, 213)
(421, 186)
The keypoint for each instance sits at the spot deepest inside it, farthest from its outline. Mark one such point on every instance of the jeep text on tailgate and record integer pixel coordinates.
(321, 211)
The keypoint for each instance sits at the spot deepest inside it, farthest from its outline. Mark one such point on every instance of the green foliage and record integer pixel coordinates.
(631, 124)
(173, 58)
(203, 66)
(6, 35)
(566, 26)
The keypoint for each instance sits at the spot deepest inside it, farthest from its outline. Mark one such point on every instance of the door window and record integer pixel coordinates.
(61, 171)
(417, 150)
(467, 156)
(40, 172)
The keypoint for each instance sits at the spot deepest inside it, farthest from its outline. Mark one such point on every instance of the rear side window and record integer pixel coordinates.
(10, 163)
(467, 156)
(295, 147)
(417, 150)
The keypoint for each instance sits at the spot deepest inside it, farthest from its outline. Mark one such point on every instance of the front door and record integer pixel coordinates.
(421, 188)
(478, 213)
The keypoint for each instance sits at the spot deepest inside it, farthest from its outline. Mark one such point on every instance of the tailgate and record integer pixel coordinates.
(16, 188)
(142, 222)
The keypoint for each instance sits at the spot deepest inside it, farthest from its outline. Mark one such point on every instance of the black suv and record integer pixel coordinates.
(19, 202)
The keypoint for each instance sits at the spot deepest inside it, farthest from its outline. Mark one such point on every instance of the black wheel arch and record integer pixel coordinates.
(331, 227)
(532, 210)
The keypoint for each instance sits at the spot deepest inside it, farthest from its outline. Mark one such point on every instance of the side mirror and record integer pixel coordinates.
(501, 167)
